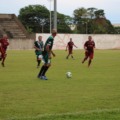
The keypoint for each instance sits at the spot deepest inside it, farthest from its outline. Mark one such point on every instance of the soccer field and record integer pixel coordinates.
(91, 94)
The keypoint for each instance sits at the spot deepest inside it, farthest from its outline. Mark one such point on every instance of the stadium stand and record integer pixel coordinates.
(10, 25)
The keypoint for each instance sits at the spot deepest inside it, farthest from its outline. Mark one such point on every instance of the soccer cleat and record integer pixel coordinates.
(3, 64)
(44, 78)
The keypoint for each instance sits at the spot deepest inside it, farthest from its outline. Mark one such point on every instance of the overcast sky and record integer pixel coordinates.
(110, 7)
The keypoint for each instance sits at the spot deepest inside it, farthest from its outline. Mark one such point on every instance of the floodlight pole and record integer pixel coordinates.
(50, 16)
(55, 14)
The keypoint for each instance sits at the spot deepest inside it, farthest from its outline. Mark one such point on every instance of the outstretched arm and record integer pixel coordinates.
(66, 47)
(75, 46)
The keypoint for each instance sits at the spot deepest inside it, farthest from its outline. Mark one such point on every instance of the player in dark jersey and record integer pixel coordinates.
(39, 45)
(70, 48)
(47, 55)
(89, 50)
(3, 47)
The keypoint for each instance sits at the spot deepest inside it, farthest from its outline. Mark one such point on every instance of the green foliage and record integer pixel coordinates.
(35, 17)
(117, 30)
(92, 21)
(91, 94)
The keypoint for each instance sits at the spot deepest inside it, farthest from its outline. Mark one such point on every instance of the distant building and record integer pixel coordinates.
(116, 25)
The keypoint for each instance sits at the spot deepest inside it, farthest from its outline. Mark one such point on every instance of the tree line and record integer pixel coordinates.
(36, 19)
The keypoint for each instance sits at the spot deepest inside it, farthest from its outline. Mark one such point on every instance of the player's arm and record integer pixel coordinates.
(49, 51)
(94, 45)
(85, 47)
(66, 47)
(36, 48)
(75, 45)
(1, 49)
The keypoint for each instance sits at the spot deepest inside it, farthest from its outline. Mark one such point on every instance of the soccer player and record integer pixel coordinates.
(70, 48)
(39, 45)
(3, 47)
(89, 50)
(47, 55)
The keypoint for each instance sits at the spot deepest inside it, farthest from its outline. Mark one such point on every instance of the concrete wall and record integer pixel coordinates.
(21, 44)
(60, 42)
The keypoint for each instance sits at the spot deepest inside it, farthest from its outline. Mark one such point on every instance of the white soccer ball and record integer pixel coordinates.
(69, 74)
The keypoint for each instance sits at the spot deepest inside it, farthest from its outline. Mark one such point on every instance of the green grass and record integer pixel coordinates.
(91, 94)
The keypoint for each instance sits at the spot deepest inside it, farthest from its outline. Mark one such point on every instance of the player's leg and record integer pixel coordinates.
(71, 53)
(85, 58)
(3, 59)
(39, 58)
(0, 56)
(44, 68)
(1, 53)
(90, 59)
(68, 56)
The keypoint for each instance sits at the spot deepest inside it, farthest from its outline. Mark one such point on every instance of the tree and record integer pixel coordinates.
(91, 12)
(100, 14)
(92, 21)
(35, 18)
(79, 13)
(63, 26)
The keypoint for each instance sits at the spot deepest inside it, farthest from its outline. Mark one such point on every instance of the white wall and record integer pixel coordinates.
(61, 40)
(103, 41)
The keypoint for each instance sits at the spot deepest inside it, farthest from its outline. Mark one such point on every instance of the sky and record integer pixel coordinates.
(110, 7)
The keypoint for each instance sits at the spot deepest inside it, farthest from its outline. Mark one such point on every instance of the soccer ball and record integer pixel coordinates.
(69, 74)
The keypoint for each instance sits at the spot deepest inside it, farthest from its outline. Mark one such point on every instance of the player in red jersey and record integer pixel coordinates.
(89, 50)
(70, 48)
(3, 47)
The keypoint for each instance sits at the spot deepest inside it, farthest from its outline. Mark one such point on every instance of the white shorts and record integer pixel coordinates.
(40, 56)
(49, 61)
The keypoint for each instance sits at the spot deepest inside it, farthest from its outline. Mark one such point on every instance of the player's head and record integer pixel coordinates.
(39, 38)
(54, 32)
(5, 36)
(70, 39)
(89, 38)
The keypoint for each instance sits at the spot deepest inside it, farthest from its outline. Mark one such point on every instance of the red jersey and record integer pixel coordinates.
(90, 45)
(4, 43)
(70, 45)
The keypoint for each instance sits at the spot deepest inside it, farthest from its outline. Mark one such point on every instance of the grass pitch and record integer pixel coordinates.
(91, 94)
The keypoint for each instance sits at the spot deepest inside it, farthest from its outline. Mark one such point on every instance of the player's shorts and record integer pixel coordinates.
(39, 56)
(89, 54)
(70, 51)
(46, 58)
(46, 61)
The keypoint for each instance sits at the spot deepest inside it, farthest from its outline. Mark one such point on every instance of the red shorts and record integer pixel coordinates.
(70, 51)
(3, 51)
(89, 54)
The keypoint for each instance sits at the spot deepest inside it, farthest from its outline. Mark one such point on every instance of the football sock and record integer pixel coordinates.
(41, 71)
(89, 62)
(39, 61)
(45, 70)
